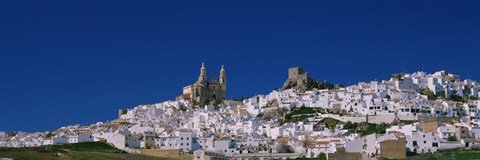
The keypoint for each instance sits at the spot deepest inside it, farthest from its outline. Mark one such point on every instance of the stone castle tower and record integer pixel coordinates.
(204, 91)
(301, 81)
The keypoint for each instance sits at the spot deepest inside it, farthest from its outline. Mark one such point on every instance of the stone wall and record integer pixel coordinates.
(393, 149)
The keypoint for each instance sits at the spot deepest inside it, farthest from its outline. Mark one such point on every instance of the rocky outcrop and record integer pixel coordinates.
(302, 82)
(274, 113)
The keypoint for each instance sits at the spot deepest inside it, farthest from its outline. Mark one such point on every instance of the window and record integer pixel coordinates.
(181, 138)
(424, 142)
(181, 144)
(415, 143)
(188, 138)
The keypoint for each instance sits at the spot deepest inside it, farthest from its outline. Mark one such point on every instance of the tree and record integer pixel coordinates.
(350, 126)
(284, 148)
(216, 107)
(457, 98)
(260, 115)
(467, 91)
(49, 135)
(452, 138)
(388, 97)
(429, 94)
(330, 122)
(322, 156)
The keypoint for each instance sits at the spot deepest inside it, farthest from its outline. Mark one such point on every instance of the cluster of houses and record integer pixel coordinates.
(402, 96)
(235, 130)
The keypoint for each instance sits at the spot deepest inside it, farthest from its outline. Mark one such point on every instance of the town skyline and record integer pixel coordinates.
(113, 115)
(347, 79)
(408, 114)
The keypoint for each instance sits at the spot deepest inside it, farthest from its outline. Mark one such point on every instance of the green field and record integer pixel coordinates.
(73, 155)
(450, 155)
(78, 151)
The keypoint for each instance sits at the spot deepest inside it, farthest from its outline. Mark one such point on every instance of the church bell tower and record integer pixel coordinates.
(203, 75)
(223, 79)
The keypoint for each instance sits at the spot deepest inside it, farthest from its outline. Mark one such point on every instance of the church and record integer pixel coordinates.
(204, 91)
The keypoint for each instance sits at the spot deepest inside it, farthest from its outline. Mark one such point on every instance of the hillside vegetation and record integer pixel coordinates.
(77, 151)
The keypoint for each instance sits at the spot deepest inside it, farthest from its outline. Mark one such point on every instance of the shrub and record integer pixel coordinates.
(457, 98)
(284, 148)
(429, 94)
(330, 122)
(452, 138)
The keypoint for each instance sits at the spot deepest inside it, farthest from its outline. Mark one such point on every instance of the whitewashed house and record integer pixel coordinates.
(420, 142)
(121, 140)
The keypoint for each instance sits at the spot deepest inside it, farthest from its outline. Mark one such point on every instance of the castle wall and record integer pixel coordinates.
(294, 72)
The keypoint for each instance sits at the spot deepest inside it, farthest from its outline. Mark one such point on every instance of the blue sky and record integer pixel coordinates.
(78, 62)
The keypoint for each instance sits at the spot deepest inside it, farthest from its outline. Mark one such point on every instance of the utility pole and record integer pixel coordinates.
(402, 69)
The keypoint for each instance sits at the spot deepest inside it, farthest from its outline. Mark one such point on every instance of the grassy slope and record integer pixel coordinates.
(450, 154)
(172, 154)
(78, 151)
(73, 155)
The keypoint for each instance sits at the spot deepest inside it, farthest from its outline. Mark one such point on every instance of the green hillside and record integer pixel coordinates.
(77, 151)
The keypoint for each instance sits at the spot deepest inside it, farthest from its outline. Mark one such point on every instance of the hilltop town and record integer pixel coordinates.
(408, 114)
